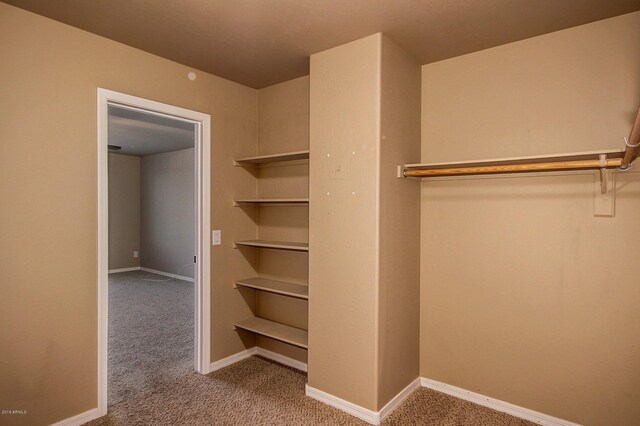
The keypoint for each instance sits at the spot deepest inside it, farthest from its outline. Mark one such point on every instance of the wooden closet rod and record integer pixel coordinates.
(518, 168)
(633, 145)
(595, 160)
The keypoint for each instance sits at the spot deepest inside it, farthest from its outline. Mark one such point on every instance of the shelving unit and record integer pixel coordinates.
(287, 291)
(274, 286)
(275, 330)
(278, 245)
(273, 201)
(273, 158)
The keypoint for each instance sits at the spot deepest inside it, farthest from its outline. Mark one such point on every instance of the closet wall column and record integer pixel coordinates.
(363, 222)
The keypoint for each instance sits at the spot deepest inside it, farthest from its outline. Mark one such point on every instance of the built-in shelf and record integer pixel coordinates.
(274, 330)
(274, 158)
(273, 286)
(267, 201)
(284, 333)
(280, 245)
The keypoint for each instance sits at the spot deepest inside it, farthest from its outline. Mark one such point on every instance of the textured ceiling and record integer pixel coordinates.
(140, 133)
(263, 42)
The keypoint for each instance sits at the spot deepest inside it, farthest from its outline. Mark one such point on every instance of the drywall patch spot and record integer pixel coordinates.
(192, 75)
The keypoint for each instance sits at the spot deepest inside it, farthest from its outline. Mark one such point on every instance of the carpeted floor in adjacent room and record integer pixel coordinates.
(151, 378)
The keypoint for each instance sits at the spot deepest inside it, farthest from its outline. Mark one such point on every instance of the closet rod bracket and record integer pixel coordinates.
(604, 191)
(604, 174)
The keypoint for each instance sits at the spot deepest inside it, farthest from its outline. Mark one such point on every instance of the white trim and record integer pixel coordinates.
(369, 416)
(167, 274)
(103, 250)
(355, 410)
(496, 404)
(399, 398)
(285, 360)
(117, 271)
(202, 275)
(202, 270)
(78, 419)
(225, 362)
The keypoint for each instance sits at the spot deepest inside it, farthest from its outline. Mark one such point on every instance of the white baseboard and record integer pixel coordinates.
(399, 398)
(369, 416)
(290, 362)
(355, 410)
(224, 362)
(496, 404)
(79, 419)
(167, 274)
(115, 271)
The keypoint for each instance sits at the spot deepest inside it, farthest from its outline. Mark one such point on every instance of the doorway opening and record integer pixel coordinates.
(153, 244)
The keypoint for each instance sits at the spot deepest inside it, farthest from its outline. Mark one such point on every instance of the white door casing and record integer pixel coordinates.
(202, 123)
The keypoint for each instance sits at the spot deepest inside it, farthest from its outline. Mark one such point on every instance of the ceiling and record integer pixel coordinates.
(140, 133)
(262, 42)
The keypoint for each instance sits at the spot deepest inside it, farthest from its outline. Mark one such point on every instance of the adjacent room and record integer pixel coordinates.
(312, 212)
(151, 210)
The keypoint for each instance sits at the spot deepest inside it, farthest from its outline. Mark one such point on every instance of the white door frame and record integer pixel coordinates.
(202, 271)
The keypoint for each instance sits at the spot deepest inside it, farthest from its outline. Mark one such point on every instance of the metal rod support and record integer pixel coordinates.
(633, 145)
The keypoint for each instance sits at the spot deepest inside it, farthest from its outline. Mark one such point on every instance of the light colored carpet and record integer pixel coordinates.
(255, 391)
(150, 333)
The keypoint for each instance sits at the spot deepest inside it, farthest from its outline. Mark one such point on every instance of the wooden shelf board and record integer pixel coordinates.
(281, 245)
(284, 333)
(273, 201)
(273, 286)
(273, 158)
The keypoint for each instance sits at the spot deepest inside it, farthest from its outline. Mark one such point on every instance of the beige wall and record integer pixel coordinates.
(283, 125)
(124, 211)
(399, 291)
(364, 310)
(283, 111)
(525, 295)
(343, 240)
(48, 181)
(167, 187)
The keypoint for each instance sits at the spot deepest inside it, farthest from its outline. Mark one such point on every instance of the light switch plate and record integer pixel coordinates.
(216, 237)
